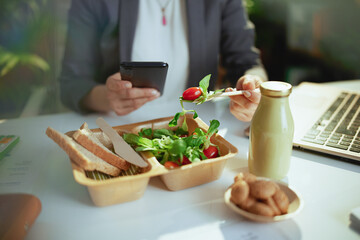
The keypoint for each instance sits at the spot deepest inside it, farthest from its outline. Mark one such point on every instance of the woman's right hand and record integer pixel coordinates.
(119, 96)
(123, 98)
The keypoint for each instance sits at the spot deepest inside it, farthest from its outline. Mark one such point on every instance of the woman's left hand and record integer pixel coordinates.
(243, 106)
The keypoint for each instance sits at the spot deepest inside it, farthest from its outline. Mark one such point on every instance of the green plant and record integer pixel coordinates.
(9, 60)
(24, 23)
(249, 4)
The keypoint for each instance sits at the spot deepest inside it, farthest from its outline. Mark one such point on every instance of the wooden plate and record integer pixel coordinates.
(295, 206)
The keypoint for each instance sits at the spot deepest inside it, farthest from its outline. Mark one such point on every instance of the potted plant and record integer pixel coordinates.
(24, 54)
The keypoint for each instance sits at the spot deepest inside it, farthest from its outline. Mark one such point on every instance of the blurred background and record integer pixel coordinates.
(308, 40)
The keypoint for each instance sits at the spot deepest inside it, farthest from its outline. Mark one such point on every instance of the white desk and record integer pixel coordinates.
(330, 189)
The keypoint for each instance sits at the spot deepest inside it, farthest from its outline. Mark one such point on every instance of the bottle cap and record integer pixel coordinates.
(275, 89)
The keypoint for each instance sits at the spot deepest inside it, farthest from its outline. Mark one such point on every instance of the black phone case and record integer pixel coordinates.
(145, 74)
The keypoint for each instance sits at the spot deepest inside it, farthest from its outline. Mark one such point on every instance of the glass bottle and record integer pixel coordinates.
(271, 132)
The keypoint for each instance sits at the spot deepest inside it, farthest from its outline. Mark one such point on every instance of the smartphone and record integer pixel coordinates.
(145, 74)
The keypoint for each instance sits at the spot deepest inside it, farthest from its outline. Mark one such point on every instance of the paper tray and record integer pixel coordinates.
(105, 190)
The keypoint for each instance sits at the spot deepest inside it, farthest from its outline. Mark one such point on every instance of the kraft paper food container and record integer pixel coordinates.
(193, 174)
(105, 190)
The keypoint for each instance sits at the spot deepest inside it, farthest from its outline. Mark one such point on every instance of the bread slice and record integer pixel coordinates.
(101, 136)
(86, 138)
(81, 155)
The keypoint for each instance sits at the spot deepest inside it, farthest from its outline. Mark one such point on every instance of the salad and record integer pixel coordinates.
(174, 148)
(200, 94)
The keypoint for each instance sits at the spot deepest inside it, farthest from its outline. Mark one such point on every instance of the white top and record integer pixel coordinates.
(168, 43)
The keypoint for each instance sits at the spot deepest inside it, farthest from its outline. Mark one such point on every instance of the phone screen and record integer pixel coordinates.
(145, 74)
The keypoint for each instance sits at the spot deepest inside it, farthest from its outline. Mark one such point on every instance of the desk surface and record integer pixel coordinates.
(329, 187)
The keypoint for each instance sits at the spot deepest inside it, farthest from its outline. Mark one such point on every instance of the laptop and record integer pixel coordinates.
(326, 120)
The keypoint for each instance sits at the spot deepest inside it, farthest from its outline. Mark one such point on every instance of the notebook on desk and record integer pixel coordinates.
(326, 120)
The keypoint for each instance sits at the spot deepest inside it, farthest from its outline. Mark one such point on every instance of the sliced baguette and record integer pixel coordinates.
(86, 138)
(80, 155)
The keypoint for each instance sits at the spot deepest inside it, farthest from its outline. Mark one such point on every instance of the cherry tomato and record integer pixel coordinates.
(211, 152)
(170, 165)
(192, 93)
(185, 160)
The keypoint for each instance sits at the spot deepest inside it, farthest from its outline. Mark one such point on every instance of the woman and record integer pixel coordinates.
(193, 37)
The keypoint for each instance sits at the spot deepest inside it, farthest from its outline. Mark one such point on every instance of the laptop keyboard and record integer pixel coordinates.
(338, 127)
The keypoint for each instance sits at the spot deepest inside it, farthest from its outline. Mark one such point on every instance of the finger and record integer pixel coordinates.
(252, 96)
(115, 83)
(251, 82)
(134, 93)
(123, 111)
(240, 112)
(131, 103)
(248, 82)
(124, 107)
(246, 98)
(243, 104)
(230, 89)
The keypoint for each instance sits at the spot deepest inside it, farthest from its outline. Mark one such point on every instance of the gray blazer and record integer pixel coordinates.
(101, 33)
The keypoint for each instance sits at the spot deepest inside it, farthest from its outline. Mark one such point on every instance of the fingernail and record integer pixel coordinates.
(229, 89)
(154, 93)
(247, 94)
(127, 85)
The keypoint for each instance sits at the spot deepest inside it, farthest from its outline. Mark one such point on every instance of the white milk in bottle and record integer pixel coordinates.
(271, 132)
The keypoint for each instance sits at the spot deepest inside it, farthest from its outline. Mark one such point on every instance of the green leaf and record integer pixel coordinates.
(146, 132)
(5, 57)
(142, 149)
(193, 154)
(158, 133)
(34, 60)
(136, 140)
(219, 91)
(194, 141)
(204, 83)
(131, 138)
(10, 64)
(173, 122)
(195, 114)
(199, 132)
(180, 131)
(184, 125)
(145, 142)
(10, 60)
(203, 155)
(178, 146)
(200, 99)
(213, 128)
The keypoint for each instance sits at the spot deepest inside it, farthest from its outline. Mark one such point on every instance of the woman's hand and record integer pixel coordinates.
(243, 106)
(123, 98)
(119, 96)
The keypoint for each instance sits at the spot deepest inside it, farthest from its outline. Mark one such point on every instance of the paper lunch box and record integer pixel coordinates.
(131, 184)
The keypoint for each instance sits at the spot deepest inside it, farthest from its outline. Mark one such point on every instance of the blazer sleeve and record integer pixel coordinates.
(81, 60)
(238, 53)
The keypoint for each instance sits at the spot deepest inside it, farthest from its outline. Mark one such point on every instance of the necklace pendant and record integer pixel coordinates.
(163, 8)
(163, 16)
